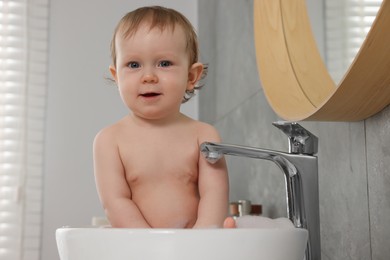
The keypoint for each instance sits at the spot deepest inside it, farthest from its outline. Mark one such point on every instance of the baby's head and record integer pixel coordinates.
(162, 18)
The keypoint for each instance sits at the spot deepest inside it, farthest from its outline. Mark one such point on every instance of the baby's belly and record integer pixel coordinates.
(168, 206)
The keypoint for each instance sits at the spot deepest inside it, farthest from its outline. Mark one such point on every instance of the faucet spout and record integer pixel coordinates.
(214, 151)
(301, 181)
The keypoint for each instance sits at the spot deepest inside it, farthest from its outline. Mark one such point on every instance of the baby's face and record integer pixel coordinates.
(152, 71)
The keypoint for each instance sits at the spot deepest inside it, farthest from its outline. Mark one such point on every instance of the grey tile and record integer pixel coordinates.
(343, 190)
(378, 160)
(207, 45)
(260, 181)
(226, 40)
(235, 104)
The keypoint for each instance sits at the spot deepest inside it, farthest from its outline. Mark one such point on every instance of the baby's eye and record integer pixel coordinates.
(133, 65)
(165, 63)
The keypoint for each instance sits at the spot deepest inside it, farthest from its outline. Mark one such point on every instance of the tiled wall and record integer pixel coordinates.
(354, 158)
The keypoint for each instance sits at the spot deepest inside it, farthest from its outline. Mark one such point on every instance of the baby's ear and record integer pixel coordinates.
(194, 74)
(113, 72)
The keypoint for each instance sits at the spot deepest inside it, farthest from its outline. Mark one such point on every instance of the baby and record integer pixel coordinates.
(148, 168)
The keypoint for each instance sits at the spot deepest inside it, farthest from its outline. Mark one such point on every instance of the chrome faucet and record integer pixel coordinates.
(300, 169)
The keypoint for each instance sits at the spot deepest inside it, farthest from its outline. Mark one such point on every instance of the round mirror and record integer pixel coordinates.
(296, 81)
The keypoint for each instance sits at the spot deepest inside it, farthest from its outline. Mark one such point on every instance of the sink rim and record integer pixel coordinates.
(74, 243)
(180, 230)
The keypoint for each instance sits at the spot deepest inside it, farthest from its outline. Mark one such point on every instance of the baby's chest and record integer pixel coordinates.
(160, 161)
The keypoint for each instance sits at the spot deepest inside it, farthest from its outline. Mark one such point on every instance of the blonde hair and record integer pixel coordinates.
(162, 18)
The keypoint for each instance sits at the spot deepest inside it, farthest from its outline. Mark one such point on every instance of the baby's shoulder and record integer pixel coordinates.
(206, 132)
(204, 127)
(105, 137)
(110, 133)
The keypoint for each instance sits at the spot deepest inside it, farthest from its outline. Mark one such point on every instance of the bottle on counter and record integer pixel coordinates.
(244, 207)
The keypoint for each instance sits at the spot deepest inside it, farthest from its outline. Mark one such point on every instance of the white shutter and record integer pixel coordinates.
(23, 78)
(347, 24)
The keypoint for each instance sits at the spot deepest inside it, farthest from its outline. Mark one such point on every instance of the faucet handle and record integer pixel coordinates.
(301, 141)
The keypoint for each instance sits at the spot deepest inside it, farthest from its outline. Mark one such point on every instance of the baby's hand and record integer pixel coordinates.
(229, 223)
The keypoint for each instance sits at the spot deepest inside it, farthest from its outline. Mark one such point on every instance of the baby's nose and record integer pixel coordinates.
(149, 77)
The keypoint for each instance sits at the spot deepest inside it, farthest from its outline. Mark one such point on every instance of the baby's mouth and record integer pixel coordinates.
(150, 94)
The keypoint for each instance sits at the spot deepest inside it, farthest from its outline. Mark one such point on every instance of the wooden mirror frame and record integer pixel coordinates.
(295, 79)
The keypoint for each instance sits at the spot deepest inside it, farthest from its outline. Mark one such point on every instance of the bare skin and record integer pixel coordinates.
(229, 223)
(148, 176)
(148, 168)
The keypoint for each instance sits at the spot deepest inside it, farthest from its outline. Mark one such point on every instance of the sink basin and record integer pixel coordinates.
(99, 243)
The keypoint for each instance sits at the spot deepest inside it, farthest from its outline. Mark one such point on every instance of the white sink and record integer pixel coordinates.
(181, 244)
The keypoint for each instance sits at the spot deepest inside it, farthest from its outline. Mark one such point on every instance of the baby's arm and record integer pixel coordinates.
(213, 186)
(114, 192)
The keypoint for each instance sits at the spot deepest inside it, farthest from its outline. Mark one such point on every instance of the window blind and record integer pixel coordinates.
(23, 78)
(347, 24)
